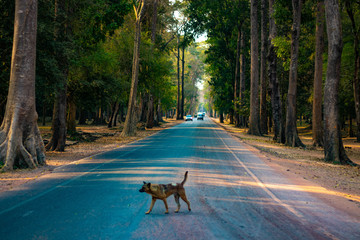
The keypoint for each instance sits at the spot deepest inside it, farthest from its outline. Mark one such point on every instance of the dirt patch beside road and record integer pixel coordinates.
(308, 163)
(98, 139)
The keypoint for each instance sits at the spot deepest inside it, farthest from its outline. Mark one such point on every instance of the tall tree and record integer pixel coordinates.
(150, 122)
(237, 77)
(254, 127)
(58, 127)
(333, 146)
(131, 117)
(263, 72)
(178, 108)
(20, 140)
(292, 138)
(356, 79)
(317, 102)
(182, 79)
(273, 79)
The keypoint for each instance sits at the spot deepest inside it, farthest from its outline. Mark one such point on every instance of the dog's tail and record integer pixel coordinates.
(185, 178)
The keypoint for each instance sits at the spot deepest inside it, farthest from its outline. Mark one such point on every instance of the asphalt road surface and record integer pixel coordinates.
(234, 194)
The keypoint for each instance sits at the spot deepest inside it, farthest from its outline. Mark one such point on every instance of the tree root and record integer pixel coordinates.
(17, 154)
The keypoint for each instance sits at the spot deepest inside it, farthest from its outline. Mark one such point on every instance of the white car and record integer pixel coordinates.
(188, 118)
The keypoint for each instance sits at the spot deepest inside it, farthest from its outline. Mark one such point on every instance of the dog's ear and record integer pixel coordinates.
(144, 182)
(149, 184)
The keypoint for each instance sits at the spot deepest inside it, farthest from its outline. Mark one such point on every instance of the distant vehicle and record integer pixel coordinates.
(200, 116)
(188, 118)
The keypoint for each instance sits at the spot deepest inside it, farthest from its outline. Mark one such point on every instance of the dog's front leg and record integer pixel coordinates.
(153, 200)
(166, 206)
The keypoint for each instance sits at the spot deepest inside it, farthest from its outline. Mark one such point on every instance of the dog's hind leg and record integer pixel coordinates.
(183, 197)
(153, 200)
(166, 206)
(177, 196)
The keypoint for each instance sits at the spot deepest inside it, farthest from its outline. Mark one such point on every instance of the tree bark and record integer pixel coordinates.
(71, 117)
(263, 74)
(21, 144)
(131, 116)
(221, 117)
(144, 107)
(236, 81)
(254, 127)
(178, 109)
(150, 112)
(333, 146)
(292, 138)
(116, 114)
(242, 78)
(317, 102)
(182, 81)
(150, 120)
(356, 81)
(273, 79)
(159, 113)
(114, 109)
(154, 21)
(58, 128)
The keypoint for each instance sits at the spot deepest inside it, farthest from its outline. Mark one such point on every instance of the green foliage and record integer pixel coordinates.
(94, 20)
(283, 47)
(221, 20)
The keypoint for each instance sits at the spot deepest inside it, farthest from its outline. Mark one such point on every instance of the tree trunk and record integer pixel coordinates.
(254, 127)
(351, 130)
(182, 81)
(273, 79)
(71, 117)
(21, 144)
(178, 109)
(317, 102)
(144, 107)
(263, 74)
(58, 138)
(116, 114)
(221, 117)
(231, 116)
(150, 113)
(112, 114)
(159, 112)
(356, 81)
(58, 127)
(83, 115)
(150, 120)
(333, 146)
(236, 81)
(292, 138)
(131, 116)
(242, 78)
(44, 114)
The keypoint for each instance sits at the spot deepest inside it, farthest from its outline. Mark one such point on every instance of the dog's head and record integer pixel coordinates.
(145, 187)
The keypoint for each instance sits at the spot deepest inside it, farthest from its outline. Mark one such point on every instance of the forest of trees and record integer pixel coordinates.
(91, 57)
(275, 63)
(266, 65)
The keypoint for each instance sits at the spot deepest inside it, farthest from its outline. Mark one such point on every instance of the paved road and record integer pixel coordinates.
(233, 194)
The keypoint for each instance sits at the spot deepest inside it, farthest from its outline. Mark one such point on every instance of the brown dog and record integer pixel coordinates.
(162, 191)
